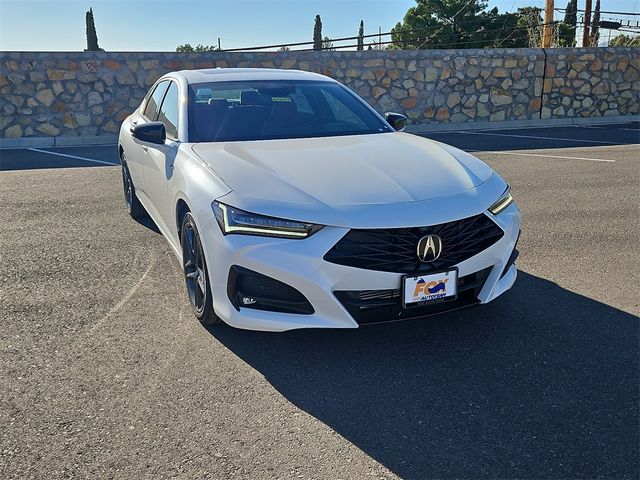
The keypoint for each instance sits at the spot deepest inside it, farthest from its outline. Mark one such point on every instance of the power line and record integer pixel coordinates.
(440, 45)
(452, 21)
(430, 33)
(512, 30)
(601, 11)
(478, 20)
(511, 34)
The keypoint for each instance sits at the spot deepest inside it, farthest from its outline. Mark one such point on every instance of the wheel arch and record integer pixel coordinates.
(182, 208)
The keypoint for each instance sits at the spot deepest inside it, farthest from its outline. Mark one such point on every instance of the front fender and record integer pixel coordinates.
(195, 184)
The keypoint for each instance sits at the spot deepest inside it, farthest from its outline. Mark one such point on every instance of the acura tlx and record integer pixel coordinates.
(291, 203)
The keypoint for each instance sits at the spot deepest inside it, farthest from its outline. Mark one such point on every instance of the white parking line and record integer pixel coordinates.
(524, 154)
(575, 140)
(604, 127)
(97, 145)
(101, 162)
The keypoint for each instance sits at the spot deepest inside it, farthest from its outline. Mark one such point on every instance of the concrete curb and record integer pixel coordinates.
(48, 142)
(514, 124)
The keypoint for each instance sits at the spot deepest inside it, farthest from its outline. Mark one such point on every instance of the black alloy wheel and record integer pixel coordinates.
(134, 207)
(195, 273)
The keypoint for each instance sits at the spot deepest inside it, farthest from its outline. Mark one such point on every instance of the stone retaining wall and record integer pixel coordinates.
(90, 93)
(591, 82)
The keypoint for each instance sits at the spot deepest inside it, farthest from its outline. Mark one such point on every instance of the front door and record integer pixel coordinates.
(158, 166)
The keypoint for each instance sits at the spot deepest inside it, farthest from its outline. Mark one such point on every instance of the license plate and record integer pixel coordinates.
(433, 288)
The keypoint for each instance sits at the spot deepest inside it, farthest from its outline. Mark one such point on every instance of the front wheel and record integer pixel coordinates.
(134, 207)
(195, 273)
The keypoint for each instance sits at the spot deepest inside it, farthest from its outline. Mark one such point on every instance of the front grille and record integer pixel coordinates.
(395, 249)
(375, 306)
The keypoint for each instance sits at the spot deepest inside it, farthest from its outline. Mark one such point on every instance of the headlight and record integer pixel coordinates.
(234, 220)
(503, 202)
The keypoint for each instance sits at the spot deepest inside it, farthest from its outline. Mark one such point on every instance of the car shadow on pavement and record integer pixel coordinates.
(542, 382)
(146, 221)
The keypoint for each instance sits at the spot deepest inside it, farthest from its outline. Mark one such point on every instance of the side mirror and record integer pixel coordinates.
(152, 132)
(396, 120)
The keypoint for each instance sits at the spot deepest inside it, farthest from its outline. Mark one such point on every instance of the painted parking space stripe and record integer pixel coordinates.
(93, 145)
(525, 154)
(604, 127)
(574, 140)
(92, 160)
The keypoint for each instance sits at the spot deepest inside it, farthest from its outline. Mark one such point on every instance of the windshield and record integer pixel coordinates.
(261, 110)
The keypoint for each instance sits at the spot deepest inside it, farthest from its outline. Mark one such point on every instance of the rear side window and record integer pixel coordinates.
(151, 108)
(169, 111)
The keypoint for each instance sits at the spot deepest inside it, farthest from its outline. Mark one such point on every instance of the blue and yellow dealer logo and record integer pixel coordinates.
(431, 290)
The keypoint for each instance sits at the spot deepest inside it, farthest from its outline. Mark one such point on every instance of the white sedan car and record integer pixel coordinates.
(292, 204)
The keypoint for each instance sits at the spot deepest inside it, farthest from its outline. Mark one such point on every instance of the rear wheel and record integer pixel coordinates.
(195, 273)
(134, 207)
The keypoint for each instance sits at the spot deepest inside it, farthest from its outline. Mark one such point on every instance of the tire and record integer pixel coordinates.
(196, 275)
(134, 207)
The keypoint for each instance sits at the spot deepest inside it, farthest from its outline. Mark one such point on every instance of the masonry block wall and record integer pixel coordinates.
(47, 94)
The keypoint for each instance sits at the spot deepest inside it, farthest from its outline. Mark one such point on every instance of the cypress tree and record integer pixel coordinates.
(570, 19)
(361, 36)
(92, 36)
(317, 34)
(595, 26)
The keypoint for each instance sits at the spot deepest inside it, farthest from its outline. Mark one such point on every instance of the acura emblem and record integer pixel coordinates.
(429, 248)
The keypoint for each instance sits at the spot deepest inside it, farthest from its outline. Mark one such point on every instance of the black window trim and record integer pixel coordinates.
(162, 103)
(153, 90)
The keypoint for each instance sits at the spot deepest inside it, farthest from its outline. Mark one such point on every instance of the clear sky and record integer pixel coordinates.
(161, 25)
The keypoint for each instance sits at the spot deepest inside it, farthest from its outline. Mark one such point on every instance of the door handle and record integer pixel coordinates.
(145, 148)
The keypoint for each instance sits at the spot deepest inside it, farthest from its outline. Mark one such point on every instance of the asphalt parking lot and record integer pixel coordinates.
(106, 373)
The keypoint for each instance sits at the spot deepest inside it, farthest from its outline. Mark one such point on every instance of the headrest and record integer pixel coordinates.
(251, 97)
(218, 103)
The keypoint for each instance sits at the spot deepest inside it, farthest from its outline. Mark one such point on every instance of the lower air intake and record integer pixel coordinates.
(249, 289)
(375, 306)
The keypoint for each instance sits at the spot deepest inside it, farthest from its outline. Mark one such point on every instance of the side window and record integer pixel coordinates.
(169, 111)
(151, 108)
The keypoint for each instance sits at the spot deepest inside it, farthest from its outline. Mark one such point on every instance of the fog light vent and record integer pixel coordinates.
(249, 289)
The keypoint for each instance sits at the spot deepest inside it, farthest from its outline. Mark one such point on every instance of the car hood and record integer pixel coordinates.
(341, 173)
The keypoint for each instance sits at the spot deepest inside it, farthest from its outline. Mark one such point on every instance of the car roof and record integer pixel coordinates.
(239, 74)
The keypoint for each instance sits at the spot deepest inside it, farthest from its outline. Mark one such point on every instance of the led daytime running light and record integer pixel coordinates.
(233, 220)
(502, 203)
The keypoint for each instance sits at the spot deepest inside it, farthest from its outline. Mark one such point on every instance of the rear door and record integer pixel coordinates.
(158, 165)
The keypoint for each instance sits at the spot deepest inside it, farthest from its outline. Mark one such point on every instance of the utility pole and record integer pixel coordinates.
(587, 23)
(219, 47)
(547, 33)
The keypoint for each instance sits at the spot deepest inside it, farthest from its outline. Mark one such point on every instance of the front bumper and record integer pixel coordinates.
(300, 264)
